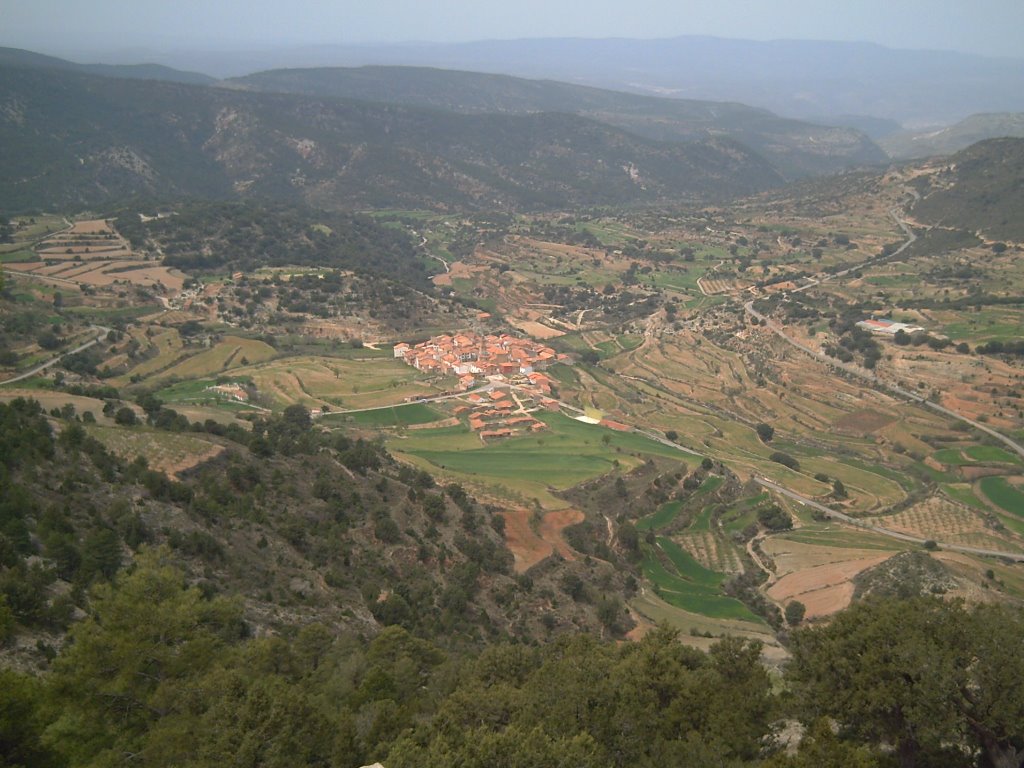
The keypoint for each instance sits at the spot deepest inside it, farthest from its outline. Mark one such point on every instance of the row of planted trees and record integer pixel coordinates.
(159, 675)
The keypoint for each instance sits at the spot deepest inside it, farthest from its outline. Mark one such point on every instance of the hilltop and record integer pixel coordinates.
(15, 57)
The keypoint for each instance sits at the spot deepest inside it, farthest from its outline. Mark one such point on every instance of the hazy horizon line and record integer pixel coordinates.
(255, 46)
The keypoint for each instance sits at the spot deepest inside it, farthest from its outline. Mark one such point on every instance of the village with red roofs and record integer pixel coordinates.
(479, 361)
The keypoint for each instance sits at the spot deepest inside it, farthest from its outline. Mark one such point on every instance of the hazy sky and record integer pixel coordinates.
(64, 26)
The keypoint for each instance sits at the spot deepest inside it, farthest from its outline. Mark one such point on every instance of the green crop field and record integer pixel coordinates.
(992, 453)
(702, 522)
(566, 454)
(554, 469)
(844, 538)
(104, 314)
(951, 456)
(689, 585)
(394, 416)
(18, 256)
(982, 453)
(666, 514)
(962, 492)
(1003, 495)
(743, 513)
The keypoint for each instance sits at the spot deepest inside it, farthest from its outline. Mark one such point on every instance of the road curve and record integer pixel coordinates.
(102, 332)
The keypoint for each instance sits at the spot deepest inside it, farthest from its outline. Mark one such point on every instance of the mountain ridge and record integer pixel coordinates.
(798, 79)
(144, 71)
(80, 140)
(797, 148)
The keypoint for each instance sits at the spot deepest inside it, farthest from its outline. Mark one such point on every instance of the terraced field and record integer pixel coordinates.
(683, 582)
(233, 352)
(337, 382)
(169, 348)
(817, 573)
(167, 452)
(945, 520)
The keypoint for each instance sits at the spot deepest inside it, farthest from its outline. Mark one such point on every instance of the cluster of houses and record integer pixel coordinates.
(494, 413)
(497, 414)
(469, 356)
(232, 391)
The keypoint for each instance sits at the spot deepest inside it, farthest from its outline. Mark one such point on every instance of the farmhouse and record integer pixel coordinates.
(234, 391)
(887, 327)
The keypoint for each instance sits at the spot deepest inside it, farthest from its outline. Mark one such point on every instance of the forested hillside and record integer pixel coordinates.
(76, 140)
(232, 237)
(796, 148)
(160, 674)
(296, 523)
(980, 191)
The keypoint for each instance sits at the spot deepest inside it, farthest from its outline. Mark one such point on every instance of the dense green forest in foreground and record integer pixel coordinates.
(158, 675)
(161, 667)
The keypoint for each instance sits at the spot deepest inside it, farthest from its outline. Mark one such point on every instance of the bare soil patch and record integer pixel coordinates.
(106, 273)
(819, 576)
(554, 523)
(91, 227)
(976, 473)
(864, 421)
(823, 589)
(527, 547)
(538, 330)
(464, 271)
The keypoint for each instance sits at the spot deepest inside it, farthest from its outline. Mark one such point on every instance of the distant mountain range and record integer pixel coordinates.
(402, 137)
(804, 79)
(19, 58)
(796, 148)
(75, 140)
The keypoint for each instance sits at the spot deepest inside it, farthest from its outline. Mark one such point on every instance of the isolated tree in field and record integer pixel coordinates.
(785, 460)
(765, 431)
(297, 416)
(126, 417)
(774, 518)
(795, 611)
